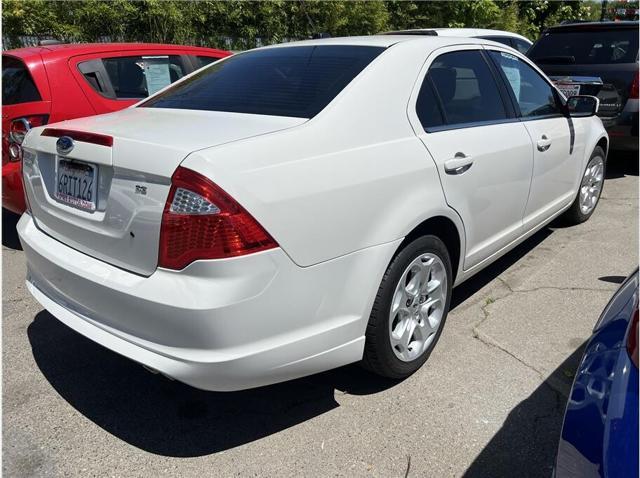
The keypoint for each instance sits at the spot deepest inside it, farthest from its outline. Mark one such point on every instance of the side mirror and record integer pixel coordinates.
(582, 106)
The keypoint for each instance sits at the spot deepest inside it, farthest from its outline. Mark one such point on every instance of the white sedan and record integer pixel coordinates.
(299, 207)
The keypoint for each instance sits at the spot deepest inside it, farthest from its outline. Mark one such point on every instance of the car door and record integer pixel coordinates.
(482, 151)
(116, 79)
(556, 162)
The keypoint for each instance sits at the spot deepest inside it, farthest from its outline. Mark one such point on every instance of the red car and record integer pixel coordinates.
(46, 84)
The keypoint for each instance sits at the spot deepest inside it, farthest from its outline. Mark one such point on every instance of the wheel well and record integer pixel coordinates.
(603, 143)
(443, 228)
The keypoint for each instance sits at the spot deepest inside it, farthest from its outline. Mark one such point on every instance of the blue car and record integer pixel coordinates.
(600, 430)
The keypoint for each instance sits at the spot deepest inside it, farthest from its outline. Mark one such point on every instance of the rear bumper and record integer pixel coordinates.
(217, 325)
(623, 128)
(12, 189)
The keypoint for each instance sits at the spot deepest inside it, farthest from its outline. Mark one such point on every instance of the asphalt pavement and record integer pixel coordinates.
(488, 403)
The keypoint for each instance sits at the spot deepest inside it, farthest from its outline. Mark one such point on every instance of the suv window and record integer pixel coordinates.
(466, 88)
(296, 81)
(17, 84)
(587, 47)
(534, 95)
(140, 76)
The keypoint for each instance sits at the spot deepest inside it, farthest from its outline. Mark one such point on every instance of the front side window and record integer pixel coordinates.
(297, 81)
(466, 88)
(17, 84)
(534, 95)
(136, 77)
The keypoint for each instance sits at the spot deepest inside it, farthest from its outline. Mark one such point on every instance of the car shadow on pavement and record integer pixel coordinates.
(9, 232)
(621, 164)
(169, 418)
(526, 444)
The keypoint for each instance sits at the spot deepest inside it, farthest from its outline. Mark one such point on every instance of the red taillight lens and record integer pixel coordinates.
(632, 339)
(633, 92)
(18, 129)
(201, 221)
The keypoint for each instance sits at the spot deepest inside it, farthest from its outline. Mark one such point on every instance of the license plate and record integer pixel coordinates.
(569, 90)
(76, 184)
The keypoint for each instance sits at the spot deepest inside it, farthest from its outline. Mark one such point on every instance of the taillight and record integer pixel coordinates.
(201, 221)
(632, 339)
(18, 129)
(633, 92)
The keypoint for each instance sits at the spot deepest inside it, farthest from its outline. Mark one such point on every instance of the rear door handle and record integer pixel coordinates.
(458, 164)
(544, 143)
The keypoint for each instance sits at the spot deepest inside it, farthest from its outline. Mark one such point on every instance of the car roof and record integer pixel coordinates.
(382, 40)
(594, 26)
(72, 49)
(458, 32)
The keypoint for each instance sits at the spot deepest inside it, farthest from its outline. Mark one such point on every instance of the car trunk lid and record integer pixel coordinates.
(117, 218)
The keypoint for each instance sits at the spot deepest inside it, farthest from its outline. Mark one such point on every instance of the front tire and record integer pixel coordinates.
(589, 191)
(410, 309)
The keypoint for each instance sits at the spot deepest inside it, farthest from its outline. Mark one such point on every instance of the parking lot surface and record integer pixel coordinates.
(489, 402)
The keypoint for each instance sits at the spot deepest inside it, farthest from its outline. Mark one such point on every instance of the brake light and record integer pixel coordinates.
(632, 339)
(82, 136)
(633, 92)
(201, 221)
(18, 129)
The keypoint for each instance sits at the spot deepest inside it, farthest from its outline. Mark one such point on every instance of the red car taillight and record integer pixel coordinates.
(633, 92)
(632, 339)
(201, 221)
(18, 129)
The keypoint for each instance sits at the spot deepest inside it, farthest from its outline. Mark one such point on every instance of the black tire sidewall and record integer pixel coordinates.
(576, 213)
(392, 366)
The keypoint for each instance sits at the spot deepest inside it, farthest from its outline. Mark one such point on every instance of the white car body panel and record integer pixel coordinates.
(339, 193)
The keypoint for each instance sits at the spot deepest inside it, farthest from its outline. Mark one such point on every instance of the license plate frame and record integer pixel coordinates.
(79, 189)
(568, 89)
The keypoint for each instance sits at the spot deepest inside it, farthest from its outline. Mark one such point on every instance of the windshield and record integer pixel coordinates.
(288, 81)
(587, 47)
(17, 84)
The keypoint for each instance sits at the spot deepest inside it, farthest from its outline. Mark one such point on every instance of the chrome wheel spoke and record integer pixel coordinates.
(417, 307)
(591, 185)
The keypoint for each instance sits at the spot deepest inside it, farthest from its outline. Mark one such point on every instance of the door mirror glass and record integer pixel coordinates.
(582, 106)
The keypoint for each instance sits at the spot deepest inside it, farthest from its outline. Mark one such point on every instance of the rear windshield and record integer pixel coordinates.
(587, 47)
(289, 81)
(17, 84)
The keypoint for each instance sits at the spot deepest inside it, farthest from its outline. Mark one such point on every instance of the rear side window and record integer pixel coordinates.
(135, 77)
(521, 45)
(499, 39)
(17, 84)
(534, 95)
(427, 106)
(285, 81)
(587, 47)
(466, 88)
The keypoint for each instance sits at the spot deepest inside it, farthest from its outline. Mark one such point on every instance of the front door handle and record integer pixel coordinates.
(544, 143)
(458, 164)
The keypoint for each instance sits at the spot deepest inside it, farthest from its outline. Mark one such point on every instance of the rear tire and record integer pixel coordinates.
(589, 191)
(410, 309)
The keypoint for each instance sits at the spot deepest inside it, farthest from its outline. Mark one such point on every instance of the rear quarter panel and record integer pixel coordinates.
(352, 177)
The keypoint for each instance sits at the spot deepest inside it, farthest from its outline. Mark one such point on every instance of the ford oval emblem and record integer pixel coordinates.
(64, 145)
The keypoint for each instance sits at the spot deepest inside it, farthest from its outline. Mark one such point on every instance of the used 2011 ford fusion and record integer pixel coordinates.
(300, 207)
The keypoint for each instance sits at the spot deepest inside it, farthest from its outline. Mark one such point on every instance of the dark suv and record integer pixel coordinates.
(600, 59)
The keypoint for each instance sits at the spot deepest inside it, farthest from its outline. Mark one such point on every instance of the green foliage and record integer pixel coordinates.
(208, 22)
